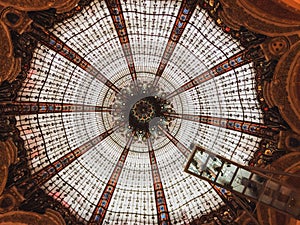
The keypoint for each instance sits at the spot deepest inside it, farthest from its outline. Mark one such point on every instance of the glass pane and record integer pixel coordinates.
(239, 180)
(55, 80)
(226, 174)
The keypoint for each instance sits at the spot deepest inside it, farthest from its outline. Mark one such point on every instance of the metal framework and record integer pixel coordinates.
(116, 14)
(52, 169)
(104, 201)
(185, 12)
(243, 182)
(232, 63)
(63, 102)
(27, 108)
(163, 216)
(255, 129)
(57, 45)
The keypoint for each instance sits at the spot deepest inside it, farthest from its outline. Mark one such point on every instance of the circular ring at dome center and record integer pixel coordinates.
(144, 111)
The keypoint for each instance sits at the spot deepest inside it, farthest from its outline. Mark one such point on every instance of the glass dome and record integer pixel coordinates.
(116, 98)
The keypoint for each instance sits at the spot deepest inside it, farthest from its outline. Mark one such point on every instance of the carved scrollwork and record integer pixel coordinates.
(65, 6)
(273, 118)
(7, 127)
(284, 88)
(10, 66)
(259, 17)
(10, 200)
(248, 38)
(30, 218)
(289, 141)
(15, 19)
(267, 153)
(266, 69)
(8, 156)
(7, 203)
(44, 18)
(223, 215)
(32, 5)
(17, 54)
(275, 47)
(23, 46)
(278, 46)
(292, 142)
(38, 201)
(7, 93)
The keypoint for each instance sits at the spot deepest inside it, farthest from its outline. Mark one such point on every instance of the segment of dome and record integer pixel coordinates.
(119, 94)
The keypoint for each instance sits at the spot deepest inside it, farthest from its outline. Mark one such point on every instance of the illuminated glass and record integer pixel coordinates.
(55, 79)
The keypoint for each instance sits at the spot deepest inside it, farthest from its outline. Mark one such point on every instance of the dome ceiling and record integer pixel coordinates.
(117, 96)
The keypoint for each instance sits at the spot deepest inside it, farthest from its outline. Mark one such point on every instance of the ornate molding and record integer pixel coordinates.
(51, 217)
(275, 47)
(65, 6)
(285, 85)
(14, 17)
(259, 17)
(8, 156)
(17, 52)
(290, 4)
(10, 66)
(32, 5)
(10, 200)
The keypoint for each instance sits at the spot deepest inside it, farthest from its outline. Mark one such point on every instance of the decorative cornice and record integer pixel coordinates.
(257, 16)
(8, 156)
(51, 217)
(284, 87)
(17, 51)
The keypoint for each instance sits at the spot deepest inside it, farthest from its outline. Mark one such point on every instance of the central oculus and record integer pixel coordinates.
(144, 111)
